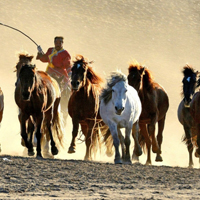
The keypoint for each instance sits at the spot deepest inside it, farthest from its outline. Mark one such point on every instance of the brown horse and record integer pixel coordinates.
(25, 58)
(155, 104)
(84, 104)
(195, 113)
(184, 116)
(38, 96)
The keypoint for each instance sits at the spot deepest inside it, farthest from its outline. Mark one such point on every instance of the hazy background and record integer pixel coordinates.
(163, 35)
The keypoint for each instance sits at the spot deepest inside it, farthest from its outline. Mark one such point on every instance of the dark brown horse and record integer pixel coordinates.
(38, 96)
(84, 104)
(184, 116)
(155, 104)
(195, 113)
(25, 58)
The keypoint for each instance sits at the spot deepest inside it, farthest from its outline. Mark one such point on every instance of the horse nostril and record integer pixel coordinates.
(115, 107)
(122, 108)
(77, 82)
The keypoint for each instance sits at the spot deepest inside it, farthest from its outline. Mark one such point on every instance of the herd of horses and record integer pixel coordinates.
(135, 103)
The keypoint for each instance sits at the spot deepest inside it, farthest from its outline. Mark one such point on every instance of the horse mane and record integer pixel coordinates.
(91, 75)
(148, 79)
(114, 78)
(188, 70)
(23, 56)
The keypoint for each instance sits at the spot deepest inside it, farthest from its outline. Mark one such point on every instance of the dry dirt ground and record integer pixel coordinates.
(31, 178)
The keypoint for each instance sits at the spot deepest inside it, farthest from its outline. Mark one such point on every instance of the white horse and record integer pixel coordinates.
(120, 107)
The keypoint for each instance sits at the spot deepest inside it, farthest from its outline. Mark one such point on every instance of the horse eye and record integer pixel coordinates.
(112, 90)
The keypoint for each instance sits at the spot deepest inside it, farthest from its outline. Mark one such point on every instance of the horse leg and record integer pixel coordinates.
(85, 131)
(135, 132)
(121, 139)
(197, 153)
(72, 148)
(38, 119)
(145, 134)
(88, 141)
(114, 132)
(151, 130)
(127, 142)
(189, 145)
(23, 121)
(161, 124)
(48, 120)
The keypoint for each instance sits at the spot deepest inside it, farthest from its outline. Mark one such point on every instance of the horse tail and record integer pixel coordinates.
(107, 140)
(96, 144)
(58, 128)
(142, 143)
(193, 138)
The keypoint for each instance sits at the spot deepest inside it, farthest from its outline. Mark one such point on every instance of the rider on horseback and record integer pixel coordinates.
(58, 61)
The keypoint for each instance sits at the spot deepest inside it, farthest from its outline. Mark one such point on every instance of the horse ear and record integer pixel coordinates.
(142, 70)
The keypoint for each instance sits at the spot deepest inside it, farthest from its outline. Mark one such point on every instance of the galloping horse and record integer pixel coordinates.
(1, 106)
(120, 107)
(25, 58)
(38, 96)
(83, 104)
(184, 116)
(155, 104)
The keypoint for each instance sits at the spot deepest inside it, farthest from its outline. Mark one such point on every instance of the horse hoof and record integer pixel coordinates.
(135, 158)
(159, 158)
(39, 157)
(47, 155)
(118, 161)
(31, 152)
(127, 162)
(148, 163)
(54, 151)
(88, 159)
(71, 150)
(138, 152)
(196, 155)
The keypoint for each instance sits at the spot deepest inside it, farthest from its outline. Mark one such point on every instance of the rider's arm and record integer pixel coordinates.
(43, 57)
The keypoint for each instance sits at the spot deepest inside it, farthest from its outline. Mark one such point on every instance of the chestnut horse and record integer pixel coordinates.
(155, 104)
(184, 116)
(38, 96)
(83, 104)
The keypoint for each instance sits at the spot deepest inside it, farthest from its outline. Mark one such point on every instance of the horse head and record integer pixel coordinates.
(27, 80)
(189, 84)
(23, 59)
(79, 72)
(135, 76)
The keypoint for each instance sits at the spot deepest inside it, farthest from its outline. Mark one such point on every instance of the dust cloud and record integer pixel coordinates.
(163, 35)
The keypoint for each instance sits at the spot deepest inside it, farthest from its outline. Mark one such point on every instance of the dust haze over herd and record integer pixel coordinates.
(162, 35)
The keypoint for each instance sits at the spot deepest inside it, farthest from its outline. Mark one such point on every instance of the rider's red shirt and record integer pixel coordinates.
(60, 60)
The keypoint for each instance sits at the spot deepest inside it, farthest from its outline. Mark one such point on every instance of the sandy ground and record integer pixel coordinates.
(162, 35)
(27, 178)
